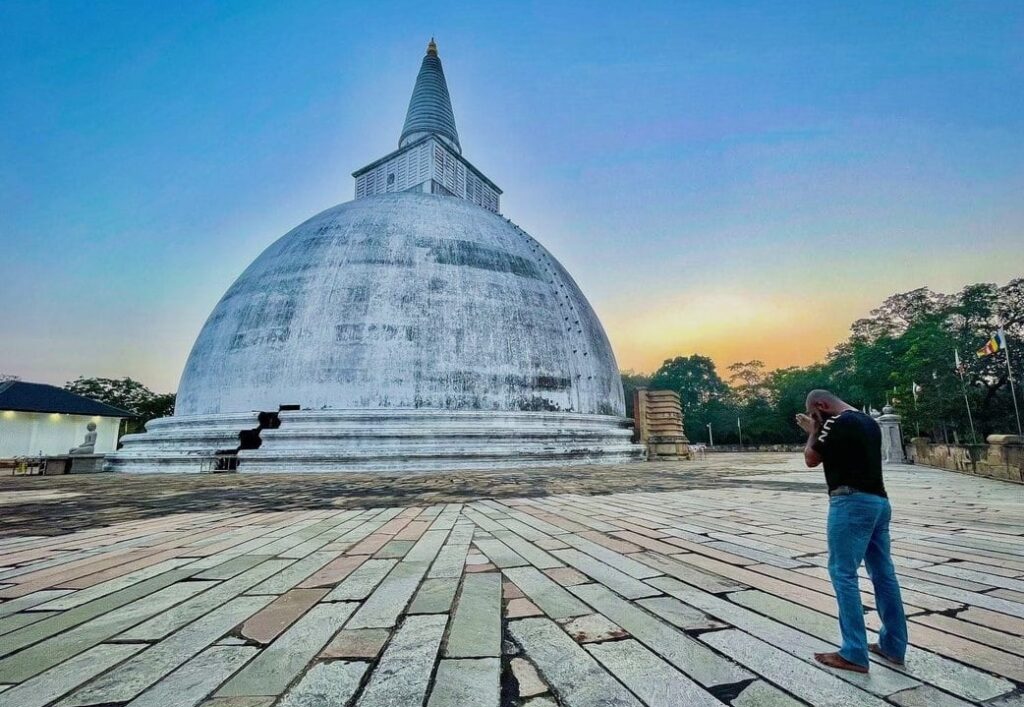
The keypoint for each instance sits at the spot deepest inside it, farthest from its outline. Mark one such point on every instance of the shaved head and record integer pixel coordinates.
(822, 396)
(825, 402)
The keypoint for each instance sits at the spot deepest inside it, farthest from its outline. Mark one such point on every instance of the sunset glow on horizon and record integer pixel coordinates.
(742, 182)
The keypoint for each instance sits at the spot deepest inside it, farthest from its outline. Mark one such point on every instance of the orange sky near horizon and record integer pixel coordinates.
(778, 330)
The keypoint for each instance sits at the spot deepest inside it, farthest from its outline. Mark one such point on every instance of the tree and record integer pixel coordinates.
(789, 388)
(747, 380)
(693, 377)
(126, 394)
(631, 382)
(703, 394)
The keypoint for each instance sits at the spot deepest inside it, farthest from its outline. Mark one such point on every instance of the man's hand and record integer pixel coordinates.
(806, 423)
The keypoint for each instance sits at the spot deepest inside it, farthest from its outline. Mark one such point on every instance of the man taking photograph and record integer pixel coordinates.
(850, 445)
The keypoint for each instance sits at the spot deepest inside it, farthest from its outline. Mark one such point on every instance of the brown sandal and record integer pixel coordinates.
(877, 650)
(834, 660)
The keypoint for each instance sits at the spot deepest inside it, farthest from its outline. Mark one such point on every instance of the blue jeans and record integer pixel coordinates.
(858, 531)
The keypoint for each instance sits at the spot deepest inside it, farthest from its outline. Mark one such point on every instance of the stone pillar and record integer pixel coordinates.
(1004, 458)
(892, 436)
(658, 421)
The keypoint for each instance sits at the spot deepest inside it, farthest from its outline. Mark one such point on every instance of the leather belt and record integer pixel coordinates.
(842, 491)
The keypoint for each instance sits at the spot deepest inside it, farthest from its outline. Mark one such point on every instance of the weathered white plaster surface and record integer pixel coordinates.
(414, 332)
(382, 440)
(403, 301)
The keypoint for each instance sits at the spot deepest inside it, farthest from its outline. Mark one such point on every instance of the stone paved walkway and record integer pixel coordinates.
(692, 584)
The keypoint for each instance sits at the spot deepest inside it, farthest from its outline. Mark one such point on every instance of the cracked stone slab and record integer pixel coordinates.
(573, 674)
(682, 651)
(814, 685)
(333, 683)
(679, 614)
(591, 628)
(612, 578)
(30, 600)
(926, 696)
(284, 659)
(472, 681)
(475, 630)
(403, 672)
(545, 593)
(656, 682)
(761, 694)
(197, 678)
(530, 682)
(521, 608)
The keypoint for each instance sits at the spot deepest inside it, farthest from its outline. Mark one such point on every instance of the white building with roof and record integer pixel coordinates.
(43, 420)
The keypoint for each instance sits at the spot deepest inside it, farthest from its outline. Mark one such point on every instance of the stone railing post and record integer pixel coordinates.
(1005, 457)
(892, 436)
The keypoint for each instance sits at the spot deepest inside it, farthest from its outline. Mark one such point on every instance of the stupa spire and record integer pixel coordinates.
(430, 108)
(429, 158)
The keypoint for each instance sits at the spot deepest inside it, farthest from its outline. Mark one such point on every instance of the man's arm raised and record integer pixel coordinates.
(808, 425)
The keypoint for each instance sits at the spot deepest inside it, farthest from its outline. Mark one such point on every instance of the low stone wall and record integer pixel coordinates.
(1002, 458)
(756, 448)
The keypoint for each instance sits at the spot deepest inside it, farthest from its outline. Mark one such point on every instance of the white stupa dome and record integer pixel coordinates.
(404, 300)
(412, 328)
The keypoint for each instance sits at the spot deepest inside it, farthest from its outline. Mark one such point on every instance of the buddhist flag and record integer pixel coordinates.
(995, 343)
(916, 390)
(958, 362)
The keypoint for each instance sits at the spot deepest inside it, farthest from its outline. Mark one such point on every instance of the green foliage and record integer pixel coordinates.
(705, 397)
(909, 339)
(631, 382)
(126, 394)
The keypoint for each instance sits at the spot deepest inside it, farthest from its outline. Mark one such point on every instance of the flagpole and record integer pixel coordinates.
(917, 421)
(963, 388)
(1009, 373)
(942, 399)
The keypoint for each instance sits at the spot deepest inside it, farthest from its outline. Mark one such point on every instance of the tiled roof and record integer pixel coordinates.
(39, 397)
(430, 108)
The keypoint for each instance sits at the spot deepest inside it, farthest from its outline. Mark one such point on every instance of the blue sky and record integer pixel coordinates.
(736, 179)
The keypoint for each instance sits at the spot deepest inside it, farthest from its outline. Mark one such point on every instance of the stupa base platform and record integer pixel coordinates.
(377, 440)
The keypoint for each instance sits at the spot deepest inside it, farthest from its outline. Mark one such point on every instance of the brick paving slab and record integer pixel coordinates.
(363, 643)
(647, 584)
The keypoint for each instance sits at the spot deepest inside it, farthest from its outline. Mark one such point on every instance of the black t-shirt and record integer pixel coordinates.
(850, 445)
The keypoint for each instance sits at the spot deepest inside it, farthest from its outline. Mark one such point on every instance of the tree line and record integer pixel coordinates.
(902, 352)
